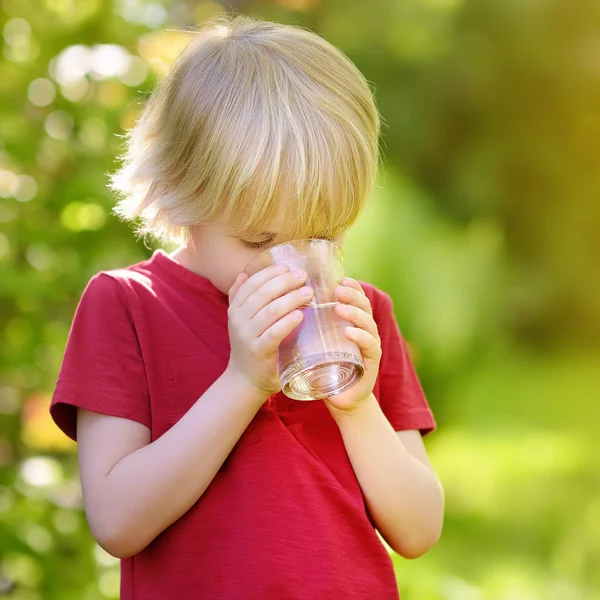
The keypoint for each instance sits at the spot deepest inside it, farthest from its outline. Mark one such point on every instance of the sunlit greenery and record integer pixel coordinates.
(484, 228)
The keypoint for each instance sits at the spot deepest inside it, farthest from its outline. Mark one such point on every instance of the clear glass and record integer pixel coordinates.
(316, 360)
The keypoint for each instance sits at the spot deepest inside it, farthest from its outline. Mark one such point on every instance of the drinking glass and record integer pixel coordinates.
(316, 360)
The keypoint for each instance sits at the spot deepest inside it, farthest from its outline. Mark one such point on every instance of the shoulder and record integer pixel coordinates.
(114, 296)
(112, 299)
(122, 283)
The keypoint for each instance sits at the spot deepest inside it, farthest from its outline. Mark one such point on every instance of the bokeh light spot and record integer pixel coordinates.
(109, 60)
(20, 45)
(59, 125)
(38, 538)
(41, 92)
(41, 471)
(9, 183)
(75, 90)
(150, 14)
(72, 64)
(83, 216)
(59, 6)
(136, 73)
(27, 188)
(40, 257)
(15, 29)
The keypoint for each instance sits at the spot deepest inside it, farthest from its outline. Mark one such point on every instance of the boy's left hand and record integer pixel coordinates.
(356, 308)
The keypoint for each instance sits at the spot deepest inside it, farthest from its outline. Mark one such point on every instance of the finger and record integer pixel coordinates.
(258, 279)
(350, 295)
(348, 281)
(239, 281)
(359, 318)
(368, 345)
(280, 307)
(271, 290)
(271, 339)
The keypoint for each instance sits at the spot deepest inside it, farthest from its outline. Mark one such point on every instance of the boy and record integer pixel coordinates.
(196, 471)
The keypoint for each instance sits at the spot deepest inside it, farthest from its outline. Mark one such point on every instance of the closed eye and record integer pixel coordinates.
(267, 242)
(256, 245)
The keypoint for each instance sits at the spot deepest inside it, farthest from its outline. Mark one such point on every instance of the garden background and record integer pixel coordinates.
(484, 228)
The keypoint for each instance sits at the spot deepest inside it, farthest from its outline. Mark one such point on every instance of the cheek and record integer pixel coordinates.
(225, 269)
(238, 260)
(223, 276)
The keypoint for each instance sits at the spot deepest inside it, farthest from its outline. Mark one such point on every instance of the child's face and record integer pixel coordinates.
(221, 257)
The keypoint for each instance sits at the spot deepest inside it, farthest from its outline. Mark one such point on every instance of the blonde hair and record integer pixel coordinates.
(256, 122)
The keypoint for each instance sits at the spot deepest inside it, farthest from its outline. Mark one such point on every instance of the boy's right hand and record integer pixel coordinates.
(263, 311)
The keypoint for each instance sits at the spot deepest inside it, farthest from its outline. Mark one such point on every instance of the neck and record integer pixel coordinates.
(188, 259)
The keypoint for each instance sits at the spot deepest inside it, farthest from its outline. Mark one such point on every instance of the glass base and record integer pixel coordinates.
(321, 376)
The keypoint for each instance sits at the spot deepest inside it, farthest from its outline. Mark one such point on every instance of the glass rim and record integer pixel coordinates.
(297, 242)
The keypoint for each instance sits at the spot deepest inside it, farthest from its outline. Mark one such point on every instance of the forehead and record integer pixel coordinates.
(286, 224)
(264, 229)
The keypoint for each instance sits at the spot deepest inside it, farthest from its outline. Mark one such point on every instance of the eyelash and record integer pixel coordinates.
(255, 245)
(260, 245)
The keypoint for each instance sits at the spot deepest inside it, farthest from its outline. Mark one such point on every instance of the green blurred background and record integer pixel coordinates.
(485, 229)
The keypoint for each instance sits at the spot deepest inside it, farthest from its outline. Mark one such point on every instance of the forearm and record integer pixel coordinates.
(152, 487)
(403, 494)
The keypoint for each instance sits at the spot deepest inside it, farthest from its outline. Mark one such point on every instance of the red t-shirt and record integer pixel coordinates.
(284, 518)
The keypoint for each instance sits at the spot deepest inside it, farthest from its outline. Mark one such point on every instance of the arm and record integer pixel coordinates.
(134, 489)
(400, 488)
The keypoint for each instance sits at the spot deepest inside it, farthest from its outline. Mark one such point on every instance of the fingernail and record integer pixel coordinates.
(282, 268)
(300, 274)
(307, 291)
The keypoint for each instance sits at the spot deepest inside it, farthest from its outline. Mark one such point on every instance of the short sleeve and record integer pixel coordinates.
(399, 390)
(103, 369)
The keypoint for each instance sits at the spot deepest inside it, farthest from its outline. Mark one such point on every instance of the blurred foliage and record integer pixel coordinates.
(484, 228)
